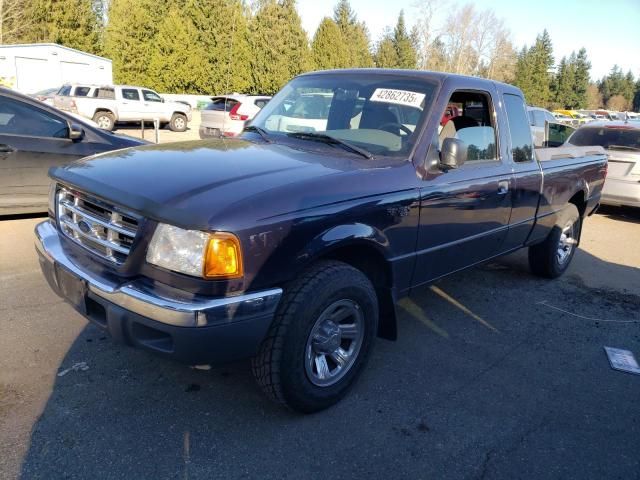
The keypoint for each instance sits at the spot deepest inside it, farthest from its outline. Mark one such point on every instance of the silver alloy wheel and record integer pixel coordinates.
(334, 342)
(566, 243)
(178, 122)
(104, 122)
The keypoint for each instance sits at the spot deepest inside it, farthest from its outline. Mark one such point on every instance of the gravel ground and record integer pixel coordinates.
(496, 374)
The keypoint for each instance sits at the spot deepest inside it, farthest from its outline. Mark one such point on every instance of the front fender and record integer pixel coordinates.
(341, 236)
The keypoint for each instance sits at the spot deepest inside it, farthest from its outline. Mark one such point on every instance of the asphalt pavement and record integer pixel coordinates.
(496, 374)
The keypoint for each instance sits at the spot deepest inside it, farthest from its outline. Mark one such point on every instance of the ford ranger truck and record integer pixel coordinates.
(292, 243)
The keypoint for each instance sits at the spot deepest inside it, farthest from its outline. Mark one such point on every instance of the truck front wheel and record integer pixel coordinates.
(552, 257)
(320, 338)
(178, 122)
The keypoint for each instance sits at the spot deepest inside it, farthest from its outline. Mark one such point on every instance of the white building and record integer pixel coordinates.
(34, 67)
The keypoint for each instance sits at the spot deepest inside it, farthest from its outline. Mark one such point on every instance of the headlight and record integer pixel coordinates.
(196, 253)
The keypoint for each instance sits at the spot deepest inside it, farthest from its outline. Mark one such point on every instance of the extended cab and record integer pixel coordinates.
(106, 105)
(292, 243)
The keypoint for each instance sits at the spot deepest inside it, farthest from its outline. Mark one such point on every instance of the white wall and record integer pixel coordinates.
(30, 68)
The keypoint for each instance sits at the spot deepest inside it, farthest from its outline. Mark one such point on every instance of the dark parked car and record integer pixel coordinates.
(34, 137)
(291, 245)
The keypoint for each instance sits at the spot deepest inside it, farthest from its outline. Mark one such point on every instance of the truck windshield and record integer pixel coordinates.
(380, 114)
(611, 138)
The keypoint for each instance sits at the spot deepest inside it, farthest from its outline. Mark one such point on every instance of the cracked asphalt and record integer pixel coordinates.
(496, 374)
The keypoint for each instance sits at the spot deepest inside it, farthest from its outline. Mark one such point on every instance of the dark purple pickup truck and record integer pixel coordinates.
(291, 244)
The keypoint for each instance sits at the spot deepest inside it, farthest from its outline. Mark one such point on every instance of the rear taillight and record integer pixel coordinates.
(234, 115)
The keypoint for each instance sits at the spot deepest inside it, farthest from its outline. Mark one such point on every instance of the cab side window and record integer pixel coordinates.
(469, 117)
(130, 94)
(150, 96)
(519, 129)
(17, 118)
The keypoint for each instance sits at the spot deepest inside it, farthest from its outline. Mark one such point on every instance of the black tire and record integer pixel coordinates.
(105, 120)
(545, 259)
(280, 366)
(178, 122)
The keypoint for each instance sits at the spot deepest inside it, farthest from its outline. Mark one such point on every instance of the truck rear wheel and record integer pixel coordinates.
(105, 120)
(178, 122)
(552, 257)
(320, 338)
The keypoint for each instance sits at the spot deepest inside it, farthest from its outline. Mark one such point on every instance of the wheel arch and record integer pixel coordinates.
(101, 110)
(366, 249)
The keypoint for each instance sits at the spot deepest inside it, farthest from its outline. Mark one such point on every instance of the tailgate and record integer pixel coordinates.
(622, 163)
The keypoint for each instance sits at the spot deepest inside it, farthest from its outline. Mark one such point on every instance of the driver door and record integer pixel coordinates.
(464, 212)
(32, 140)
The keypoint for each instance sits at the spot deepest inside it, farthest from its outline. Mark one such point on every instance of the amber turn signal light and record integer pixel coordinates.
(222, 256)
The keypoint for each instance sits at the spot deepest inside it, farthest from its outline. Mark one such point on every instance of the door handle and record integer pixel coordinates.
(503, 187)
(6, 148)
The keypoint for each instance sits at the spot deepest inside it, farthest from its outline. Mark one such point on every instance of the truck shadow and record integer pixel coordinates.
(133, 415)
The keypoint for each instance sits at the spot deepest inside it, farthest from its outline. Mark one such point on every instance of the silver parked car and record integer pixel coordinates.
(621, 140)
(226, 115)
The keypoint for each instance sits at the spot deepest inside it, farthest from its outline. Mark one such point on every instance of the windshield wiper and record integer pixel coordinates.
(623, 147)
(260, 131)
(323, 137)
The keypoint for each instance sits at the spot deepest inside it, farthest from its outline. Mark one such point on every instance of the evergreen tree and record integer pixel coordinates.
(523, 72)
(327, 49)
(222, 32)
(72, 23)
(279, 45)
(354, 35)
(563, 84)
(636, 97)
(386, 54)
(582, 78)
(404, 45)
(130, 36)
(171, 68)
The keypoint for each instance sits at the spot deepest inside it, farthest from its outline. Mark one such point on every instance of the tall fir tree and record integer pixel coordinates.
(222, 31)
(386, 55)
(404, 45)
(533, 71)
(73, 23)
(328, 47)
(170, 69)
(279, 45)
(355, 36)
(130, 36)
(582, 78)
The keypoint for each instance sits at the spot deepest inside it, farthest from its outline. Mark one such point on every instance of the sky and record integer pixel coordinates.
(609, 30)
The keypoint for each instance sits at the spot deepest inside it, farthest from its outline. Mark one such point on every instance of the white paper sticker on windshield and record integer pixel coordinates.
(399, 97)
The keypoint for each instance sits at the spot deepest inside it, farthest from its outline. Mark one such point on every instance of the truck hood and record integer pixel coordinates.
(201, 184)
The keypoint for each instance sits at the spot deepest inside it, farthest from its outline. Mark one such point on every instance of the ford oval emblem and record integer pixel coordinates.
(84, 226)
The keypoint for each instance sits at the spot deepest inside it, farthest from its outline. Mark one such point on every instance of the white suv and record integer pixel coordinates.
(226, 115)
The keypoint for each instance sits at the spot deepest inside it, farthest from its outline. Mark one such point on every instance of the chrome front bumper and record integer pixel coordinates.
(171, 307)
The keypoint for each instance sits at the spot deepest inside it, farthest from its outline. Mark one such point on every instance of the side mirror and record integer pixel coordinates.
(76, 132)
(453, 153)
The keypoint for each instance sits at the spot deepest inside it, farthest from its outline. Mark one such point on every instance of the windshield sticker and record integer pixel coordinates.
(399, 97)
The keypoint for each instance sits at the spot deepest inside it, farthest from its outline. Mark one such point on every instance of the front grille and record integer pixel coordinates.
(101, 228)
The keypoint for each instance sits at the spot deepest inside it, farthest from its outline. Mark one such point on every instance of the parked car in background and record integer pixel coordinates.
(107, 105)
(547, 129)
(621, 140)
(46, 96)
(64, 99)
(306, 112)
(226, 115)
(292, 246)
(35, 137)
